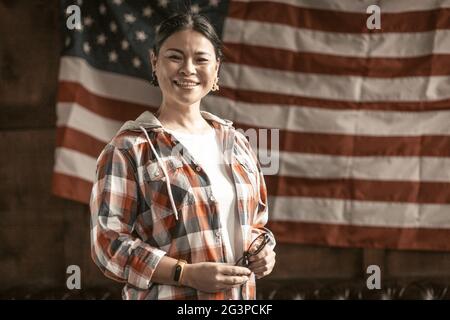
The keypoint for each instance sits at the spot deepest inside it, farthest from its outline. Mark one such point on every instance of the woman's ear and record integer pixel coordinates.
(217, 66)
(153, 59)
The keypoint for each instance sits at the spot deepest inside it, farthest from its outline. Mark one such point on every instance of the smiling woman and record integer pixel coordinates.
(186, 60)
(179, 196)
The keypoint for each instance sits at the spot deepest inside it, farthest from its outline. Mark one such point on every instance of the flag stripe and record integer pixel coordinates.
(363, 190)
(71, 187)
(394, 45)
(343, 21)
(321, 120)
(350, 88)
(68, 159)
(108, 84)
(120, 110)
(361, 213)
(307, 62)
(415, 169)
(360, 236)
(76, 140)
(268, 98)
(387, 6)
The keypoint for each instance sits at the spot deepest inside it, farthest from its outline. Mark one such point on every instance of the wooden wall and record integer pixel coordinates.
(40, 234)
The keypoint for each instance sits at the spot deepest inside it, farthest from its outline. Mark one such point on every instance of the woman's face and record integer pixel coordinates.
(186, 67)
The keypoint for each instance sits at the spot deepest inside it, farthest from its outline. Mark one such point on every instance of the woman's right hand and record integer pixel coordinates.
(214, 277)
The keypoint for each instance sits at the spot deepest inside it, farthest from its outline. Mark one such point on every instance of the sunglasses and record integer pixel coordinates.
(255, 247)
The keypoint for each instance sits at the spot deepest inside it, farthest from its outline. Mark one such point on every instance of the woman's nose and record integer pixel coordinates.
(188, 67)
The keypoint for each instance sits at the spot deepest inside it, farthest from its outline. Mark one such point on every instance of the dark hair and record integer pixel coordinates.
(185, 21)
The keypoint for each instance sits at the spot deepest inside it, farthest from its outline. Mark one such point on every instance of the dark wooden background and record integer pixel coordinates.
(40, 234)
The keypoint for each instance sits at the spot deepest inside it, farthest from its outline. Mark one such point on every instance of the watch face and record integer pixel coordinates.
(177, 272)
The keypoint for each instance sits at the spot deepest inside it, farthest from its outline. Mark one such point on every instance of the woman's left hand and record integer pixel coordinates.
(262, 264)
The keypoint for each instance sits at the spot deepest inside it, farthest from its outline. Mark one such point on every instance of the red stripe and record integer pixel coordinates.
(360, 236)
(120, 110)
(286, 60)
(79, 141)
(269, 98)
(71, 187)
(354, 145)
(360, 189)
(338, 21)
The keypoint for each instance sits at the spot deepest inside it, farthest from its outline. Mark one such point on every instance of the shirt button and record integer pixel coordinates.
(211, 198)
(217, 233)
(198, 169)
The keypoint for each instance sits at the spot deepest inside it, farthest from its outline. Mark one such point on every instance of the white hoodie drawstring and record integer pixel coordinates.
(163, 167)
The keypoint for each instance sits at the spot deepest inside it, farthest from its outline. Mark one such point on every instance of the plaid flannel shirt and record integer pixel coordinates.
(133, 223)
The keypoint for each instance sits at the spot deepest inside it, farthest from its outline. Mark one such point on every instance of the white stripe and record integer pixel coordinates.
(321, 120)
(371, 168)
(359, 213)
(74, 116)
(361, 5)
(363, 45)
(109, 84)
(74, 163)
(334, 87)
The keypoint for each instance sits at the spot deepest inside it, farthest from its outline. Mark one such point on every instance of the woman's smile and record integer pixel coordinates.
(185, 84)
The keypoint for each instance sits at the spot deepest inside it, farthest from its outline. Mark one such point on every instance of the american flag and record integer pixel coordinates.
(364, 115)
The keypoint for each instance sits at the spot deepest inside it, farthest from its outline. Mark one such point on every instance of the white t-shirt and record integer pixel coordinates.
(206, 149)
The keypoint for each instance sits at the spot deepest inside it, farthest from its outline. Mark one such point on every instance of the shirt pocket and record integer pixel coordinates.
(157, 195)
(250, 172)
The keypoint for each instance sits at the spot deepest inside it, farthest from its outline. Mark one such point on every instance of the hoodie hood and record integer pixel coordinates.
(149, 121)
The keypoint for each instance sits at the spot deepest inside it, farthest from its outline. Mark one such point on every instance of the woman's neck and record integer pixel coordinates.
(183, 119)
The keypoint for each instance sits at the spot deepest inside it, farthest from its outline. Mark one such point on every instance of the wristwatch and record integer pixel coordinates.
(179, 270)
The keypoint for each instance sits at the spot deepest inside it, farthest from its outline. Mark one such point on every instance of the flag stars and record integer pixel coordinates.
(101, 39)
(195, 8)
(141, 36)
(147, 12)
(113, 26)
(125, 45)
(102, 9)
(163, 3)
(88, 21)
(214, 3)
(86, 48)
(112, 56)
(136, 62)
(129, 18)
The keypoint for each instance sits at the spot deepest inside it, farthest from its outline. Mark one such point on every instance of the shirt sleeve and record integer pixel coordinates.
(114, 207)
(262, 215)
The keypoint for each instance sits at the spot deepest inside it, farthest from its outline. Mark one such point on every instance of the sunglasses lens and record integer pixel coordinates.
(256, 245)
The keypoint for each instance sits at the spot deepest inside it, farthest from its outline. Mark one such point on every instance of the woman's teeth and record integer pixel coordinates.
(186, 84)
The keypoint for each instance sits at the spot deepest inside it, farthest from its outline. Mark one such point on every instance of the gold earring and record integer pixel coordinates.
(215, 86)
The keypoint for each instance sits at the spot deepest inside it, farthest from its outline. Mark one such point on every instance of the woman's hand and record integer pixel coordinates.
(262, 264)
(214, 277)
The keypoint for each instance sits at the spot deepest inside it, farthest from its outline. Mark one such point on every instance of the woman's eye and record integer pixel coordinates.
(203, 60)
(174, 57)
